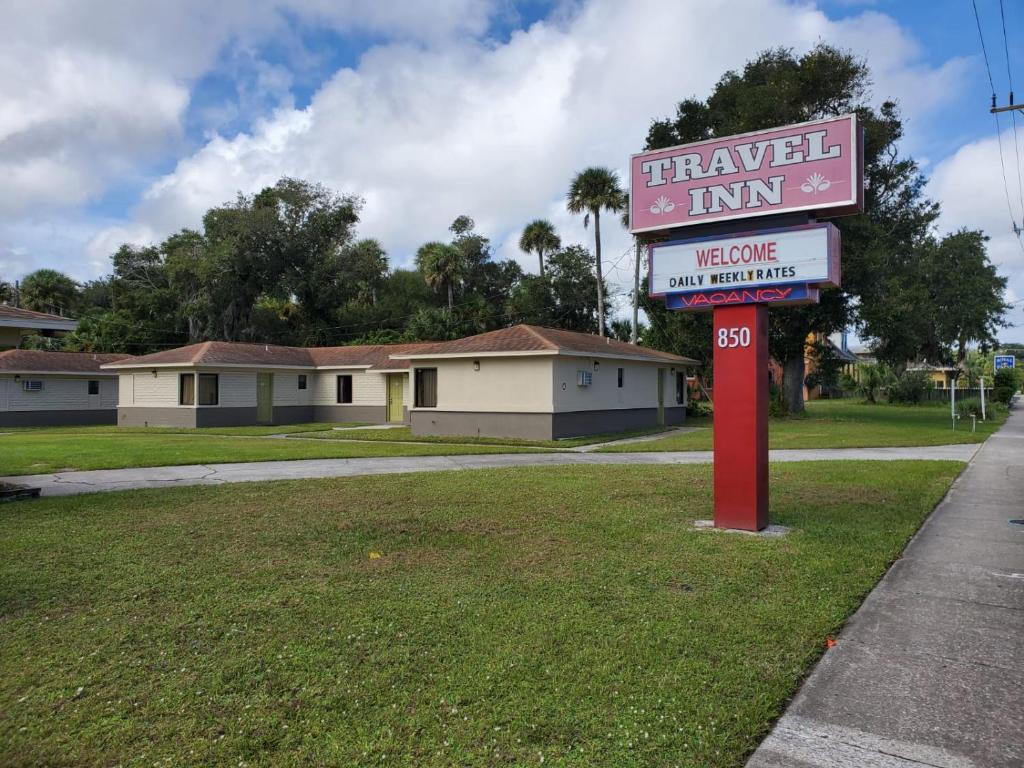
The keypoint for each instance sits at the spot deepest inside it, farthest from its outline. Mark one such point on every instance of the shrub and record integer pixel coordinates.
(697, 409)
(1005, 384)
(909, 388)
(872, 379)
(967, 407)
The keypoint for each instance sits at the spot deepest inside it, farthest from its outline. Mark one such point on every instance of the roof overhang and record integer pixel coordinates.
(39, 325)
(237, 366)
(546, 353)
(37, 372)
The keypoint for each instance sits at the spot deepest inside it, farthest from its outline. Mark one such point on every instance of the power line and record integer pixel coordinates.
(999, 135)
(1013, 114)
(984, 51)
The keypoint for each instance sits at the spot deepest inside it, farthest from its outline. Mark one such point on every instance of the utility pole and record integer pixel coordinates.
(1009, 108)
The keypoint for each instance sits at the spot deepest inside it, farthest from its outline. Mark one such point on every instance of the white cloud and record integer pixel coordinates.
(90, 90)
(441, 121)
(970, 185)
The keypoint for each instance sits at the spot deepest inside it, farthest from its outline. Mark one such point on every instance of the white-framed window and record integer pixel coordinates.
(32, 385)
(344, 389)
(425, 388)
(302, 381)
(622, 377)
(186, 389)
(209, 389)
(94, 386)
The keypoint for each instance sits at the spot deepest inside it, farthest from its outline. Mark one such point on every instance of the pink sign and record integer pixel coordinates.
(815, 167)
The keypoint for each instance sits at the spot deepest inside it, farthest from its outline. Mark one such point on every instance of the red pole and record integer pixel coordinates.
(741, 416)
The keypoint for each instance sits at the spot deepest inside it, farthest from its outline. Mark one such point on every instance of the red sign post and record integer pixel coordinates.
(778, 176)
(741, 416)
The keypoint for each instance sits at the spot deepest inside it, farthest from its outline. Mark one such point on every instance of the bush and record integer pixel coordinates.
(872, 379)
(909, 388)
(968, 407)
(699, 409)
(1004, 385)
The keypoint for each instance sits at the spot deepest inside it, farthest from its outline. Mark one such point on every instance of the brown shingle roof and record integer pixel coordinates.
(39, 361)
(531, 338)
(232, 353)
(13, 315)
(227, 353)
(376, 356)
(518, 338)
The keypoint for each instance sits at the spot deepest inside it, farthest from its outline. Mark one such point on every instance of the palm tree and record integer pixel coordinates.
(441, 264)
(594, 190)
(539, 237)
(637, 248)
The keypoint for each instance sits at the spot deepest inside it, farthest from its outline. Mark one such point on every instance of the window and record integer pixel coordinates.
(94, 387)
(345, 388)
(209, 386)
(302, 381)
(681, 388)
(622, 376)
(187, 389)
(426, 387)
(32, 385)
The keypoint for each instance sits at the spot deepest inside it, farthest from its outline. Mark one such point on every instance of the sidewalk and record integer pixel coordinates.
(930, 670)
(71, 483)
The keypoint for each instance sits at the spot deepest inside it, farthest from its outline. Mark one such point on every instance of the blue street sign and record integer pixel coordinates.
(1005, 361)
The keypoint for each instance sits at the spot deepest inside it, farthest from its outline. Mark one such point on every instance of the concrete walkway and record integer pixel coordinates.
(930, 670)
(71, 483)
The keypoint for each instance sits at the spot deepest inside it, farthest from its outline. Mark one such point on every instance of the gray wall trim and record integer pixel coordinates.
(374, 414)
(156, 417)
(524, 426)
(58, 418)
(227, 417)
(293, 414)
(581, 423)
(541, 426)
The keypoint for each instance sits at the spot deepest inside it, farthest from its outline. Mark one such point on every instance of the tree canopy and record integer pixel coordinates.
(881, 247)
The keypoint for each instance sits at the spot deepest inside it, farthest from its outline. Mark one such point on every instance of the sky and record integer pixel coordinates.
(123, 121)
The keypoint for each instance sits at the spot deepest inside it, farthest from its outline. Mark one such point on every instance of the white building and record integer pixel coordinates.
(523, 381)
(56, 388)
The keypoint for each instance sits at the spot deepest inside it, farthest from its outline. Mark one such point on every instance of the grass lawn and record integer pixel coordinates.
(845, 424)
(432, 620)
(40, 452)
(405, 434)
(252, 431)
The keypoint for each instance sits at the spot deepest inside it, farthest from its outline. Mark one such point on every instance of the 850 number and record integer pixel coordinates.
(732, 338)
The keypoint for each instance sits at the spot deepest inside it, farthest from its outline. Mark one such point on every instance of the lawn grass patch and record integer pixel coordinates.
(570, 614)
(405, 434)
(845, 424)
(33, 453)
(251, 430)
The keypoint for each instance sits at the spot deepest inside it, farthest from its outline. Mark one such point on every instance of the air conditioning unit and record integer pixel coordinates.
(584, 378)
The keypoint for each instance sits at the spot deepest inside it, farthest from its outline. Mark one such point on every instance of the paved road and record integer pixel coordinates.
(71, 483)
(930, 670)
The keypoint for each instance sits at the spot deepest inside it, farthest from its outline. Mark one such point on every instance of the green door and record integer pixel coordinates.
(395, 396)
(661, 397)
(265, 398)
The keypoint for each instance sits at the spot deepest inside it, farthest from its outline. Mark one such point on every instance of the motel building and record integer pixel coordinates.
(39, 389)
(521, 382)
(16, 323)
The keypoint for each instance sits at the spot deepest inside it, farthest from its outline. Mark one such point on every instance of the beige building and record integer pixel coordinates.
(543, 384)
(56, 388)
(517, 382)
(16, 323)
(218, 383)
